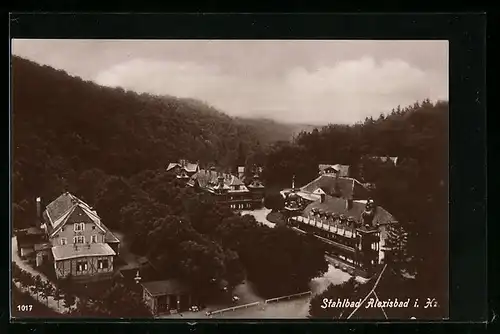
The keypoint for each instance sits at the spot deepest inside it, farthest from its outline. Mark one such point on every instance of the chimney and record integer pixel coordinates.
(349, 203)
(241, 171)
(39, 210)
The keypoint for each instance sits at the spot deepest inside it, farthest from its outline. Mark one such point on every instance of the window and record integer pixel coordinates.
(81, 266)
(64, 241)
(103, 264)
(93, 227)
(93, 239)
(79, 239)
(62, 229)
(79, 227)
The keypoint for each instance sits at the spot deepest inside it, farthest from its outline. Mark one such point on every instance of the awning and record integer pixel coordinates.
(82, 250)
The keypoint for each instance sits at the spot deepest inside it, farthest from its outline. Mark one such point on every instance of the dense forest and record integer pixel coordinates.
(110, 148)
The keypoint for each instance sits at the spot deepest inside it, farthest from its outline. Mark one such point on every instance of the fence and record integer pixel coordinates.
(273, 300)
(267, 301)
(234, 308)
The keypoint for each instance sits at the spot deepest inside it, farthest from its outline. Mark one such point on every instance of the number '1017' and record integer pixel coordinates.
(24, 308)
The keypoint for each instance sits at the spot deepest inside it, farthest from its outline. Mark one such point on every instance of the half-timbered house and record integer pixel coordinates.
(82, 246)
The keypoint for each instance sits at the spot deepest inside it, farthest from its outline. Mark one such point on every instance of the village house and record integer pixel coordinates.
(79, 244)
(183, 170)
(228, 189)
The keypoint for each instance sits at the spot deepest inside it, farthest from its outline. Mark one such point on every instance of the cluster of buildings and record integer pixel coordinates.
(236, 191)
(70, 237)
(339, 211)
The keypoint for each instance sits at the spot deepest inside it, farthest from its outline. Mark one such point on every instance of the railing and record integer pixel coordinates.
(272, 300)
(234, 308)
(267, 301)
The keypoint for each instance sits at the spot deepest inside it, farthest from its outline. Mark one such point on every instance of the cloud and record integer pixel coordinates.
(345, 92)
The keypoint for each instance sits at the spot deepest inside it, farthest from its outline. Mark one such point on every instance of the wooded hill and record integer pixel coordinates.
(63, 126)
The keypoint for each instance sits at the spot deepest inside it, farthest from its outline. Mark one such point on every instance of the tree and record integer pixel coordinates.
(37, 286)
(115, 192)
(121, 302)
(26, 279)
(396, 246)
(274, 201)
(47, 291)
(69, 301)
(347, 290)
(58, 296)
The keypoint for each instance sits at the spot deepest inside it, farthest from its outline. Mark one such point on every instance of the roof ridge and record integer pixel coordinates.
(63, 218)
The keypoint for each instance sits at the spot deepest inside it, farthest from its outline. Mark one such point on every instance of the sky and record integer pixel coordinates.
(294, 81)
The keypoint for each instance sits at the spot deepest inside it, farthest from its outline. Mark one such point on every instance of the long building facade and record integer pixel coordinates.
(228, 189)
(353, 229)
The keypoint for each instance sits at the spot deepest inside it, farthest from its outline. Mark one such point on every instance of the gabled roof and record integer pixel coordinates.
(319, 191)
(339, 206)
(188, 167)
(344, 187)
(322, 167)
(342, 170)
(235, 181)
(210, 179)
(59, 207)
(67, 208)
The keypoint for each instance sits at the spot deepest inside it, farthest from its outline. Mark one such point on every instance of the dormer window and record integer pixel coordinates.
(79, 227)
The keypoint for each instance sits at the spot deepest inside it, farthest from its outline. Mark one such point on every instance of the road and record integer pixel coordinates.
(53, 304)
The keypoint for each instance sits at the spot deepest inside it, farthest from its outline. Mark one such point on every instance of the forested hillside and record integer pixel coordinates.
(269, 131)
(64, 126)
(110, 148)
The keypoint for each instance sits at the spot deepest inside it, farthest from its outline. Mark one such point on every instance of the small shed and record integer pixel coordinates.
(167, 296)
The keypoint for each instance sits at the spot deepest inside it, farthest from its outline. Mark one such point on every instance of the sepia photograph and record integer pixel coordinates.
(229, 179)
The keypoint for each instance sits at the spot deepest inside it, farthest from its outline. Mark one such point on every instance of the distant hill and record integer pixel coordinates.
(63, 126)
(268, 130)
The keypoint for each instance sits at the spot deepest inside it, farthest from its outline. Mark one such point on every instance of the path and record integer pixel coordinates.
(288, 309)
(259, 215)
(53, 304)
